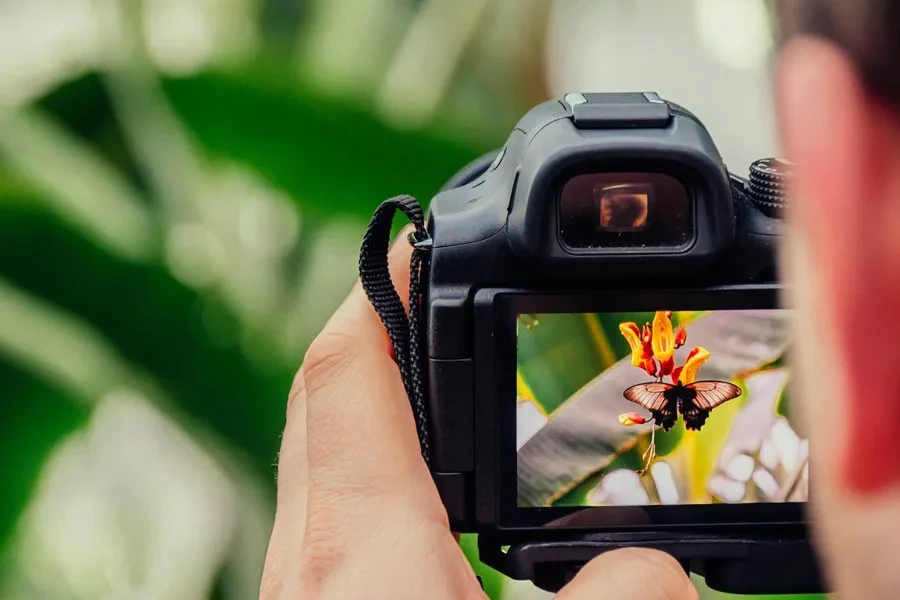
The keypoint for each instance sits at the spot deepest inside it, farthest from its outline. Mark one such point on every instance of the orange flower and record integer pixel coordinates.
(631, 419)
(632, 335)
(692, 365)
(680, 337)
(663, 337)
(641, 350)
(653, 349)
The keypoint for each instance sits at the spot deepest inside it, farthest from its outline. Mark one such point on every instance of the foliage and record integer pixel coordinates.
(338, 159)
(136, 197)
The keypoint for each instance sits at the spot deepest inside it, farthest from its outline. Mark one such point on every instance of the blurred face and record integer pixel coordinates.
(843, 266)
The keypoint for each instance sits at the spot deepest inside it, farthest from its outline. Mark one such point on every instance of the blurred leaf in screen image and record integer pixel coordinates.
(183, 190)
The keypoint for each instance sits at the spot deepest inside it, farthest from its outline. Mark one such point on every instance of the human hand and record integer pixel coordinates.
(358, 514)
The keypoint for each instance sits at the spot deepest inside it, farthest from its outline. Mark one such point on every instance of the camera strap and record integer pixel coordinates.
(402, 329)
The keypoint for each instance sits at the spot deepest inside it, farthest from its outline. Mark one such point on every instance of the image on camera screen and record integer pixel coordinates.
(656, 408)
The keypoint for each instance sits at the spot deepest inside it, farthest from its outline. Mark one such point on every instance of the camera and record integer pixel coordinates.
(602, 347)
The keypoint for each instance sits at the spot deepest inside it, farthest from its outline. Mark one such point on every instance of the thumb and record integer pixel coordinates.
(633, 573)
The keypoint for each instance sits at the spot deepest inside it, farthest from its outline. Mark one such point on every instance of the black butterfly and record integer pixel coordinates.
(694, 401)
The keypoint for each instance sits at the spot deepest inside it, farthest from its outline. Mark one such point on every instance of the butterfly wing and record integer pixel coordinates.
(656, 397)
(702, 397)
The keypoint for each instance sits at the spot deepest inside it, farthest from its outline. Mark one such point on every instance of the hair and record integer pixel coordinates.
(868, 30)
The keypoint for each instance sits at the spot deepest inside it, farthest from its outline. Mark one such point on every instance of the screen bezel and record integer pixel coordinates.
(506, 308)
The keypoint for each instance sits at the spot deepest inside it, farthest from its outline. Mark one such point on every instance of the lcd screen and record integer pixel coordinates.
(656, 408)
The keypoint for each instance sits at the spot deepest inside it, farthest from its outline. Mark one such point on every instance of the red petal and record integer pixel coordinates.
(650, 367)
(631, 419)
(680, 337)
(676, 374)
(666, 366)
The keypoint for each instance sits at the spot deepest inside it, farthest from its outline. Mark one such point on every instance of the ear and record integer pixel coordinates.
(846, 206)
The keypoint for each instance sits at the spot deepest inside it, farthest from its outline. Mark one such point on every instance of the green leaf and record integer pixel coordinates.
(84, 107)
(156, 323)
(557, 357)
(33, 419)
(334, 157)
(491, 580)
(783, 406)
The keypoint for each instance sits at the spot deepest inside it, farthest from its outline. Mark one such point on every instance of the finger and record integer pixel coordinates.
(636, 574)
(362, 442)
(286, 543)
(399, 264)
(293, 469)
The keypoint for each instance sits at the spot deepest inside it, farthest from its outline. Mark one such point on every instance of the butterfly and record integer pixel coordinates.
(694, 401)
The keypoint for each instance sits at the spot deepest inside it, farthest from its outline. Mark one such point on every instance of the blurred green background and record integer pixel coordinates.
(183, 188)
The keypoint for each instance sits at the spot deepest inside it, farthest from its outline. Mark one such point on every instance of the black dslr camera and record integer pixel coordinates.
(595, 349)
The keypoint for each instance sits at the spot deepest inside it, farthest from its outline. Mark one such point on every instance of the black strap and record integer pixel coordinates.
(376, 281)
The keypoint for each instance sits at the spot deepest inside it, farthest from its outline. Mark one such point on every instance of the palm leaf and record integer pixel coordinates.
(34, 417)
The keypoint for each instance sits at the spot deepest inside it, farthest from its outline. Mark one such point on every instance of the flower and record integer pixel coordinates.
(631, 419)
(632, 335)
(663, 339)
(641, 350)
(680, 337)
(666, 367)
(695, 360)
(653, 349)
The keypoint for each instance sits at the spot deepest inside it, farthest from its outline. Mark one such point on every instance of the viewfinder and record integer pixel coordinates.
(625, 210)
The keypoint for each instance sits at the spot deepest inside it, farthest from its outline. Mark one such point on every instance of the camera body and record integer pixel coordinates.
(597, 203)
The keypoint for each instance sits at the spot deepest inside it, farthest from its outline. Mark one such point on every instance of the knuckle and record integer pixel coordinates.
(324, 552)
(327, 358)
(297, 395)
